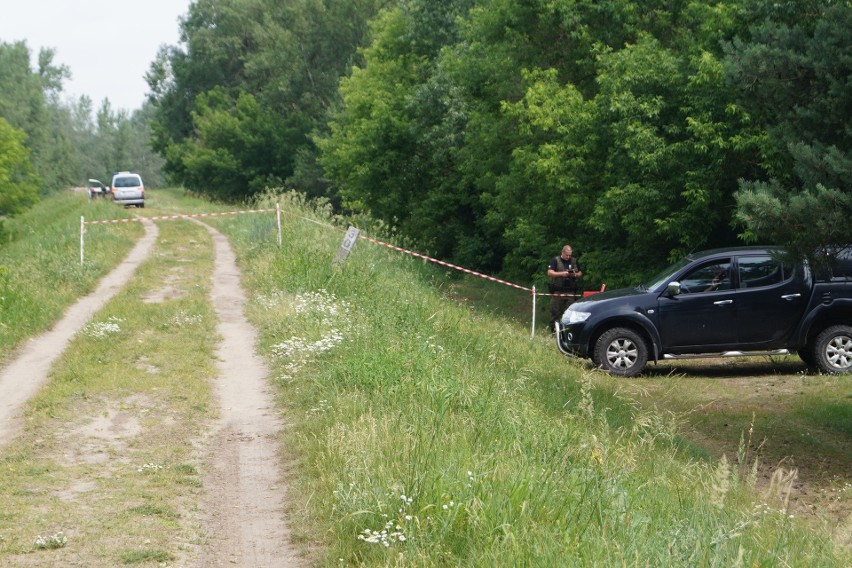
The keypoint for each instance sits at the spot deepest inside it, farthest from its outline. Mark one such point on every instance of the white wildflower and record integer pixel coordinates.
(183, 318)
(385, 537)
(103, 328)
(57, 540)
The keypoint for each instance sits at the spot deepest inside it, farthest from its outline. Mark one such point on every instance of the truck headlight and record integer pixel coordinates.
(572, 316)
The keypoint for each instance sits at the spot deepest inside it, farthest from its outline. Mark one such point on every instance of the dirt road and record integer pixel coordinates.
(242, 512)
(28, 371)
(244, 494)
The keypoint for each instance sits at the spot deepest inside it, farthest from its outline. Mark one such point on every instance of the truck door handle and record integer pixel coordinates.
(791, 296)
(723, 302)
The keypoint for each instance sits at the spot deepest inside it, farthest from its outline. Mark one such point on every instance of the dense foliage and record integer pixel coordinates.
(18, 188)
(794, 77)
(235, 104)
(490, 132)
(628, 129)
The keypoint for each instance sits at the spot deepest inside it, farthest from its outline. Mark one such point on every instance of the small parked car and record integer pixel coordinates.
(719, 303)
(97, 188)
(127, 189)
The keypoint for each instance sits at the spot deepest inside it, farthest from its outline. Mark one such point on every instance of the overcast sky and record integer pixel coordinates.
(107, 44)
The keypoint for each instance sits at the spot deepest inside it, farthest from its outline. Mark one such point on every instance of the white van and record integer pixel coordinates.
(127, 189)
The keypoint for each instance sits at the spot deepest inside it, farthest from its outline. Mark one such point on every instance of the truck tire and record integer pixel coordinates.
(833, 349)
(621, 352)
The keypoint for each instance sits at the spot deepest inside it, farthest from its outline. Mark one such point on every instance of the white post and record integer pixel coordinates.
(278, 217)
(82, 232)
(532, 334)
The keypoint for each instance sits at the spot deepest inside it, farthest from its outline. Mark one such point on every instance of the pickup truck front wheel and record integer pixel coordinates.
(621, 351)
(833, 349)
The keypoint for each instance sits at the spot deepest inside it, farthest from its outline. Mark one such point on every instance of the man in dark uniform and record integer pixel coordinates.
(564, 271)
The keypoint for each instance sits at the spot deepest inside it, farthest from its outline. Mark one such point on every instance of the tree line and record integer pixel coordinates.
(49, 144)
(491, 132)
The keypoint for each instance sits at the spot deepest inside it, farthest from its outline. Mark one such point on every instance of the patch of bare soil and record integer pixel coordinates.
(101, 441)
(168, 291)
(244, 509)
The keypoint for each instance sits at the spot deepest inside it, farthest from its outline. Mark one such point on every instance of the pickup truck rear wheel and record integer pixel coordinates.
(621, 351)
(833, 349)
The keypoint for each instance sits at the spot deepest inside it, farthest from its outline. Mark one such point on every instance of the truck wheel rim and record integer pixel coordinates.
(621, 353)
(839, 352)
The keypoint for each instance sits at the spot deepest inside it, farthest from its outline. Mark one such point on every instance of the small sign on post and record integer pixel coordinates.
(346, 246)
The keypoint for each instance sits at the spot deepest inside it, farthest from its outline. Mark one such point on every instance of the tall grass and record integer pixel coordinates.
(40, 271)
(428, 435)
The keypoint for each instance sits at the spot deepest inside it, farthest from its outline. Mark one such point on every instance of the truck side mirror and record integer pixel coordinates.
(673, 289)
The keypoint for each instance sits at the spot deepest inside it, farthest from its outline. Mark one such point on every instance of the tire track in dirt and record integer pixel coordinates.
(243, 513)
(244, 510)
(30, 368)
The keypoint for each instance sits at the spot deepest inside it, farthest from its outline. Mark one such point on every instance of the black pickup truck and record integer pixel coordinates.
(719, 303)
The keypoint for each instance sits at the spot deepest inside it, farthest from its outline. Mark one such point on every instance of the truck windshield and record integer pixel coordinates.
(663, 276)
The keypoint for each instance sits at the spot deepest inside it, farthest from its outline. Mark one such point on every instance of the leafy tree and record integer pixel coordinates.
(792, 70)
(288, 57)
(393, 150)
(29, 104)
(672, 158)
(525, 124)
(83, 137)
(23, 100)
(18, 181)
(240, 147)
(218, 35)
(547, 194)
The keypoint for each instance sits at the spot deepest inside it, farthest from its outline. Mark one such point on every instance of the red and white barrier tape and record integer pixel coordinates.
(447, 264)
(278, 210)
(462, 269)
(560, 295)
(366, 238)
(170, 217)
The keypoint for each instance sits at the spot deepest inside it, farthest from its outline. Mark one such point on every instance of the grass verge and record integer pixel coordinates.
(429, 434)
(40, 271)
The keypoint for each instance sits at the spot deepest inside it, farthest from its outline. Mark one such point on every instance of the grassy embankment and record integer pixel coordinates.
(467, 443)
(422, 432)
(797, 416)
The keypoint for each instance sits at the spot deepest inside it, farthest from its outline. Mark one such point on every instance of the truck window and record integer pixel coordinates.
(758, 271)
(712, 277)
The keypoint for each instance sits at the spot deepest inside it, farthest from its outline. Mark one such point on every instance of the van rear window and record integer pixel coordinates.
(128, 181)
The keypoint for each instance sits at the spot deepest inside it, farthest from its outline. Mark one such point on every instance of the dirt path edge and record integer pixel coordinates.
(243, 513)
(29, 370)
